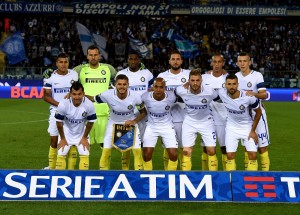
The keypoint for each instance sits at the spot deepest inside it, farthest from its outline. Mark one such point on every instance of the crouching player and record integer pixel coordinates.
(158, 104)
(75, 118)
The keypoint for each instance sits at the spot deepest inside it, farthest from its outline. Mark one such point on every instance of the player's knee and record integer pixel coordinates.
(187, 151)
(252, 155)
(172, 154)
(147, 154)
(210, 150)
(262, 150)
(230, 155)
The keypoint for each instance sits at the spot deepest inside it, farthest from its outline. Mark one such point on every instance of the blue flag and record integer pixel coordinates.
(14, 49)
(186, 47)
(136, 44)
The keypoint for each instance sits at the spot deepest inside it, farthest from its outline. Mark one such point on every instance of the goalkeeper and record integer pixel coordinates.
(95, 78)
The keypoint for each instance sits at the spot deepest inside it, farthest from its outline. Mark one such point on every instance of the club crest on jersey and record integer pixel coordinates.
(249, 84)
(242, 107)
(223, 85)
(103, 72)
(72, 81)
(130, 107)
(204, 100)
(143, 79)
(183, 80)
(167, 107)
(84, 114)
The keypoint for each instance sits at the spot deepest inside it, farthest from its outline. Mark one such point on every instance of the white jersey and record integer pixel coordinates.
(60, 84)
(173, 81)
(254, 81)
(239, 109)
(139, 80)
(197, 105)
(74, 118)
(120, 110)
(219, 111)
(159, 112)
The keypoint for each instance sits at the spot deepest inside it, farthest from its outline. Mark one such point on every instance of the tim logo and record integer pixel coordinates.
(256, 186)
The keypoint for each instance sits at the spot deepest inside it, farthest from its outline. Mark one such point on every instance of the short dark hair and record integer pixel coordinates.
(195, 71)
(122, 77)
(134, 52)
(93, 47)
(231, 76)
(244, 54)
(62, 55)
(175, 52)
(76, 85)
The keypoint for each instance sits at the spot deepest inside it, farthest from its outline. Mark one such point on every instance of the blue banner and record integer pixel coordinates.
(13, 47)
(114, 185)
(22, 7)
(238, 11)
(122, 9)
(266, 186)
(19, 92)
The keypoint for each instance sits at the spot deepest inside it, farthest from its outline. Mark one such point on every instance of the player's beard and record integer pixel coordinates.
(176, 67)
(232, 91)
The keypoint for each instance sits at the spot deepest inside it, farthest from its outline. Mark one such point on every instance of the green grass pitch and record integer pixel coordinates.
(25, 143)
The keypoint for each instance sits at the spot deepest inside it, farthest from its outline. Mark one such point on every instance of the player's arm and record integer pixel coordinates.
(48, 97)
(84, 140)
(113, 74)
(138, 118)
(59, 117)
(258, 113)
(261, 94)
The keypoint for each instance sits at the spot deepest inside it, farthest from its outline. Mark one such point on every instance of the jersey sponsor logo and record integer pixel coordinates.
(235, 111)
(75, 121)
(103, 72)
(95, 80)
(249, 84)
(183, 80)
(143, 79)
(122, 113)
(204, 100)
(138, 88)
(242, 107)
(171, 87)
(61, 90)
(56, 83)
(84, 114)
(197, 107)
(158, 115)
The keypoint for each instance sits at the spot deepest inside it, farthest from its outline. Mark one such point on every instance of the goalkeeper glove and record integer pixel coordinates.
(47, 73)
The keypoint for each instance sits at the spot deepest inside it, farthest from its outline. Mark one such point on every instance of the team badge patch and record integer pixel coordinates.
(143, 79)
(130, 107)
(242, 107)
(72, 81)
(249, 84)
(167, 107)
(204, 100)
(103, 72)
(223, 85)
(183, 80)
(123, 137)
(84, 114)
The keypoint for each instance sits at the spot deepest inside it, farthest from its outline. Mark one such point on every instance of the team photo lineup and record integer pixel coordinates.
(88, 102)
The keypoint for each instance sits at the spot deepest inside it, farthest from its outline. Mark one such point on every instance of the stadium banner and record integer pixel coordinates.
(23, 7)
(21, 92)
(122, 9)
(238, 11)
(115, 185)
(266, 186)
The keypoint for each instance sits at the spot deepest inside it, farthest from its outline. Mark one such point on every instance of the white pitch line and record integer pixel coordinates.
(13, 123)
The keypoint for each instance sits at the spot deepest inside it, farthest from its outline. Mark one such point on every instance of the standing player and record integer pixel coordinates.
(216, 79)
(140, 79)
(122, 103)
(75, 118)
(175, 77)
(158, 104)
(95, 78)
(253, 82)
(55, 89)
(240, 125)
(198, 119)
